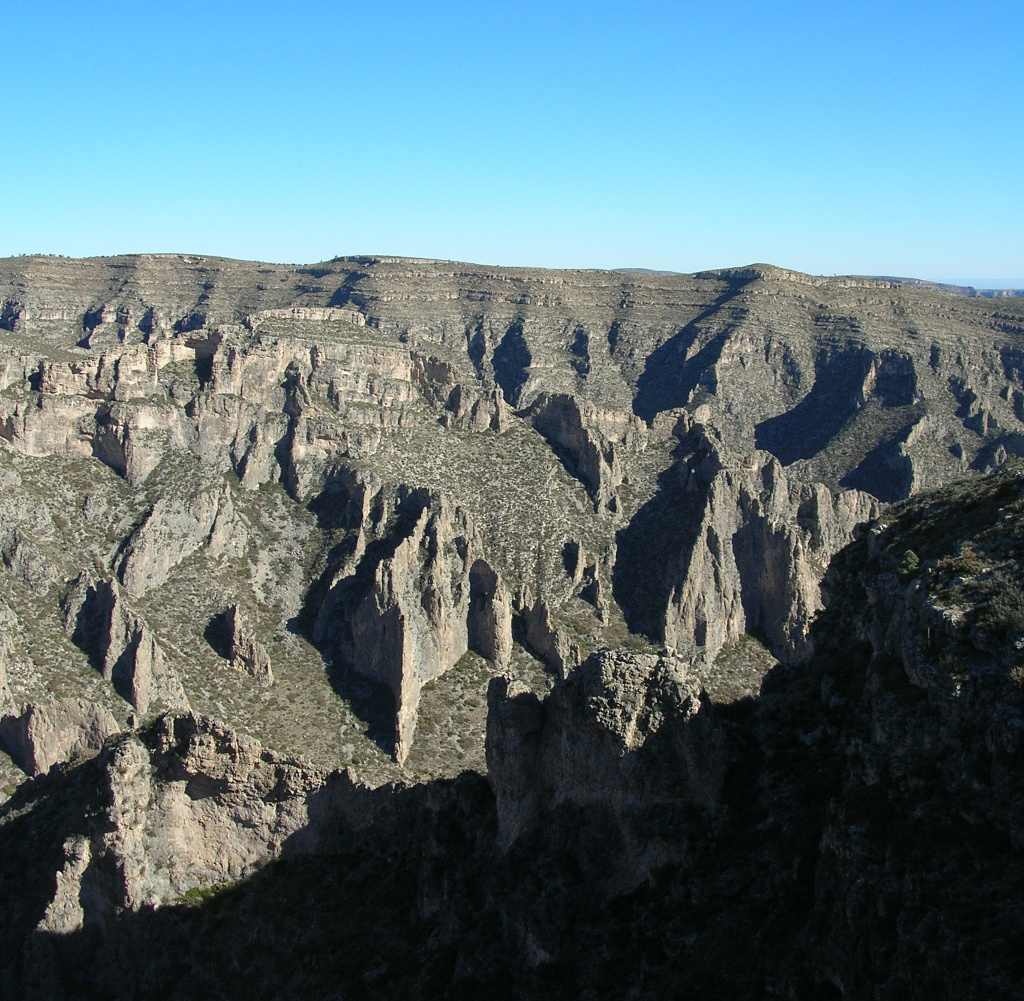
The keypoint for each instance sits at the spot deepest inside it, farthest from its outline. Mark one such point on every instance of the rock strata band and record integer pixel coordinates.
(497, 599)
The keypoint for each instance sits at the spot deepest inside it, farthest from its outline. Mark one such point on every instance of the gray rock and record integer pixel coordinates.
(246, 653)
(125, 649)
(174, 530)
(381, 378)
(42, 736)
(623, 733)
(759, 551)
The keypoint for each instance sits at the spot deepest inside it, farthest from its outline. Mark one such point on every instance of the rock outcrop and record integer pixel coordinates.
(586, 439)
(40, 737)
(204, 386)
(174, 530)
(125, 650)
(193, 782)
(761, 547)
(850, 832)
(6, 699)
(732, 545)
(471, 410)
(244, 651)
(625, 734)
(405, 606)
(597, 487)
(186, 804)
(552, 646)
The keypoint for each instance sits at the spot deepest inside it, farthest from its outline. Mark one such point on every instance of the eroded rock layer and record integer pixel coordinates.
(402, 520)
(855, 831)
(394, 462)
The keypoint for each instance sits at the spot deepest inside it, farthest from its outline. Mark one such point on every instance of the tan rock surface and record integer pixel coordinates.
(40, 737)
(263, 428)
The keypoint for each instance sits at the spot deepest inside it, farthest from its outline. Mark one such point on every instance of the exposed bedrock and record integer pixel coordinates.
(176, 528)
(267, 406)
(512, 361)
(473, 410)
(732, 545)
(379, 464)
(585, 438)
(24, 557)
(41, 736)
(837, 391)
(184, 804)
(626, 737)
(675, 369)
(234, 639)
(169, 815)
(172, 366)
(6, 700)
(539, 634)
(761, 549)
(122, 646)
(130, 438)
(489, 619)
(233, 803)
(411, 595)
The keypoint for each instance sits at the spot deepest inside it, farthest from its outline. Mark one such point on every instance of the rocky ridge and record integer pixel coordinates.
(553, 407)
(852, 832)
(574, 516)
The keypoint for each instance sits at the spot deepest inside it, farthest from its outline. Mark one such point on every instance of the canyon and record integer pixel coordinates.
(550, 633)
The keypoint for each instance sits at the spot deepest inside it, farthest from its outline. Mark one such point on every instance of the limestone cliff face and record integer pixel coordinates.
(131, 438)
(174, 530)
(784, 361)
(232, 803)
(188, 426)
(761, 546)
(125, 649)
(408, 604)
(587, 438)
(40, 737)
(6, 699)
(851, 831)
(186, 804)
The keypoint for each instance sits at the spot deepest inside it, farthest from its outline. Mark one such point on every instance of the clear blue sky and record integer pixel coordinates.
(829, 137)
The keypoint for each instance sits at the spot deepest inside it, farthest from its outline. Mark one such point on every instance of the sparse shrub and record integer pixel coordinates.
(200, 895)
(967, 564)
(1003, 613)
(1017, 676)
(1014, 465)
(908, 563)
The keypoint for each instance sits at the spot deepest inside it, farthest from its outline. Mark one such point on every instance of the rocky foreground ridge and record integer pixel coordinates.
(411, 522)
(854, 831)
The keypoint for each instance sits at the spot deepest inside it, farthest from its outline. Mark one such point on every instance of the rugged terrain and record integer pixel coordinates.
(452, 589)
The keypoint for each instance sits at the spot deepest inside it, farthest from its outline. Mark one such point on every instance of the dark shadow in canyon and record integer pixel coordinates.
(650, 550)
(668, 377)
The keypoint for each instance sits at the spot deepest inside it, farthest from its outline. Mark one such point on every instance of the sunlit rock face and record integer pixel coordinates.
(506, 583)
(388, 464)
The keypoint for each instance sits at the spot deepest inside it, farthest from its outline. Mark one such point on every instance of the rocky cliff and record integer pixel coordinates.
(411, 518)
(854, 831)
(253, 435)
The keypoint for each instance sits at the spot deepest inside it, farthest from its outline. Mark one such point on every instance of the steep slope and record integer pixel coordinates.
(855, 831)
(601, 458)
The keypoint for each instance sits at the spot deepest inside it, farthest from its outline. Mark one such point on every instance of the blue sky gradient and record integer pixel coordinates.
(862, 138)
